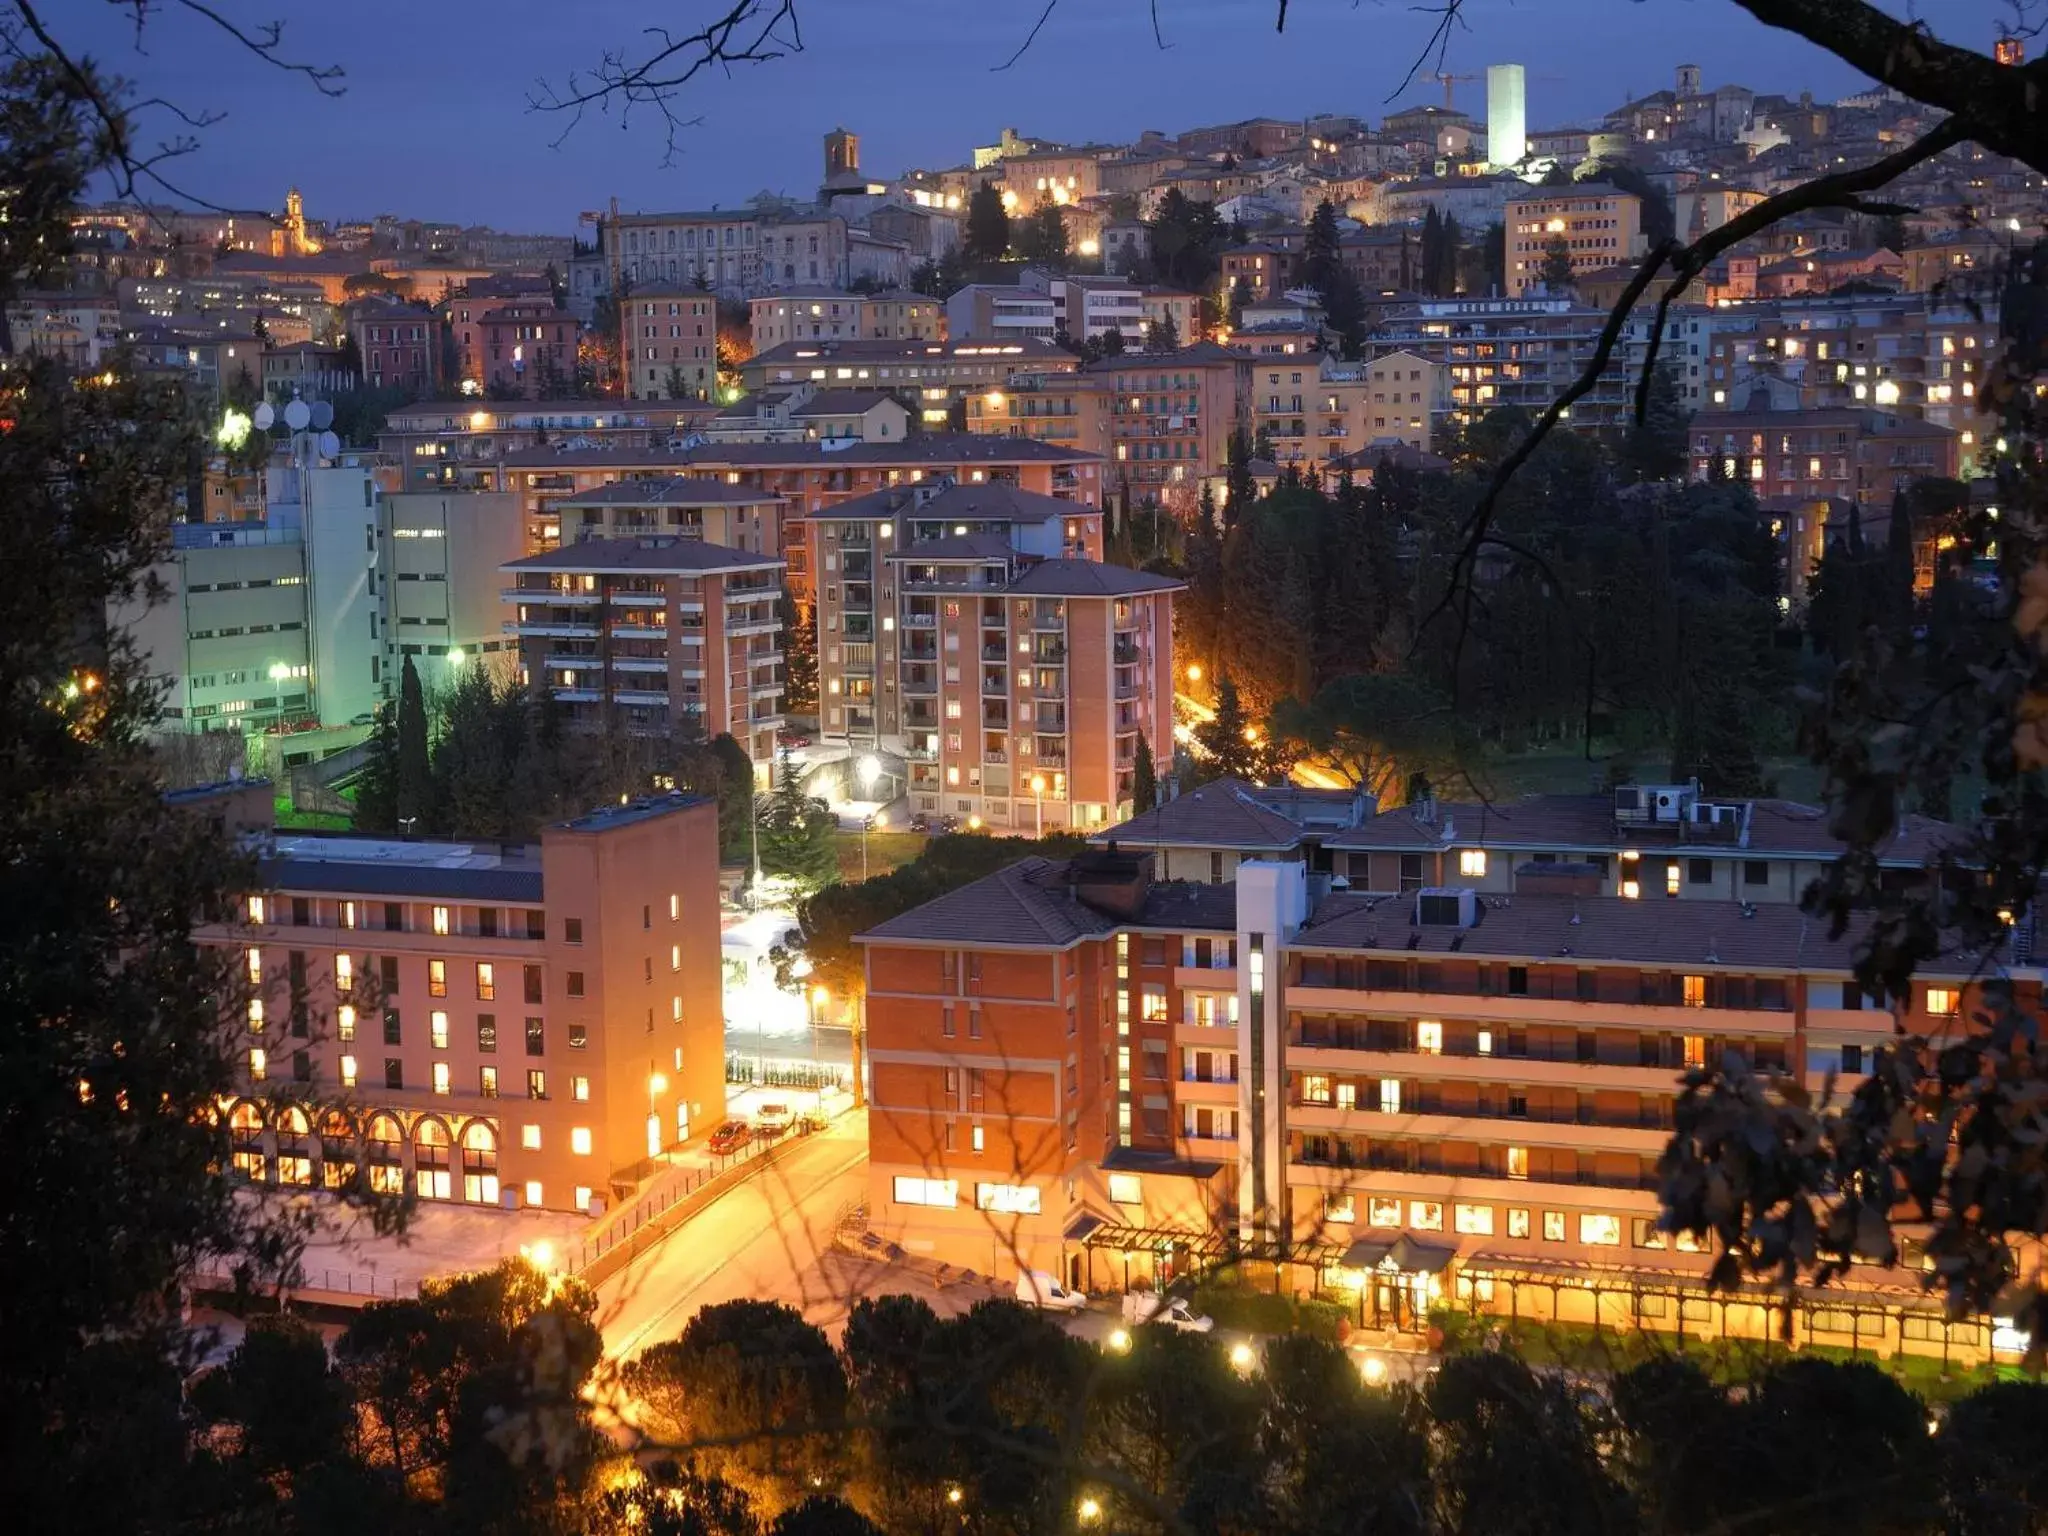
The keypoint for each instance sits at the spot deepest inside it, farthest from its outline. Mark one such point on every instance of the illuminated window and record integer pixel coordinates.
(437, 978)
(344, 973)
(440, 920)
(348, 1071)
(486, 981)
(533, 1192)
(255, 967)
(1518, 1221)
(1486, 1042)
(1601, 1231)
(256, 909)
(1671, 879)
(437, 1030)
(1340, 1208)
(1476, 1220)
(579, 1140)
(348, 914)
(944, 1193)
(1472, 863)
(583, 1197)
(259, 1064)
(1518, 1162)
(1426, 1215)
(1695, 991)
(1007, 1199)
(1126, 1189)
(1315, 1088)
(1382, 1212)
(441, 1082)
(255, 1015)
(675, 906)
(1429, 1037)
(1695, 1047)
(529, 1137)
(345, 1022)
(1553, 1226)
(1390, 1096)
(1943, 1001)
(487, 1082)
(675, 957)
(579, 1089)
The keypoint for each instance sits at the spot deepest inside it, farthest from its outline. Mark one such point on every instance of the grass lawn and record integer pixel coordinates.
(309, 821)
(886, 851)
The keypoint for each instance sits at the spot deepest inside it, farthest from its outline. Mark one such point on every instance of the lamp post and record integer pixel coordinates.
(819, 998)
(656, 1085)
(1038, 805)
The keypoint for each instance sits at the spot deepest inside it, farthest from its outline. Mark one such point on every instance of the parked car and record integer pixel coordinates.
(773, 1120)
(793, 738)
(1036, 1288)
(1171, 1311)
(730, 1137)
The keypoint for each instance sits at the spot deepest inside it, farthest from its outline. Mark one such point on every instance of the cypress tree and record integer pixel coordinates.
(415, 785)
(1144, 779)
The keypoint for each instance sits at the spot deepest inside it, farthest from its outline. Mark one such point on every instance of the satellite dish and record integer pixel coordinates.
(296, 415)
(330, 445)
(264, 417)
(323, 415)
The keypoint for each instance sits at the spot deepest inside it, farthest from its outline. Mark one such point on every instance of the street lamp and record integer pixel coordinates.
(656, 1084)
(1038, 805)
(819, 998)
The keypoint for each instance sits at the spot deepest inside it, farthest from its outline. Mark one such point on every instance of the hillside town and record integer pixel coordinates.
(1252, 730)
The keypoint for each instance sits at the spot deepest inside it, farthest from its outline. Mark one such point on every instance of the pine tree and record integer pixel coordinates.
(1163, 335)
(800, 656)
(988, 224)
(414, 792)
(1555, 273)
(377, 783)
(1144, 779)
(1655, 450)
(1042, 238)
(796, 831)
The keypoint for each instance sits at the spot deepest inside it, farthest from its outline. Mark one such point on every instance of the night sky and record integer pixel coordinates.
(435, 121)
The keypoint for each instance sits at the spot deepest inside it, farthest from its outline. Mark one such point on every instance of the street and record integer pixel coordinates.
(761, 1239)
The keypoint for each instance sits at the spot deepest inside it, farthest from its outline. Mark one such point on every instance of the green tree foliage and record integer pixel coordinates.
(1163, 335)
(800, 655)
(754, 1394)
(1437, 272)
(1377, 729)
(988, 224)
(1516, 1453)
(829, 919)
(1042, 236)
(1554, 272)
(1342, 1457)
(1655, 448)
(1144, 779)
(1231, 744)
(377, 783)
(1186, 242)
(1323, 269)
(1658, 221)
(415, 787)
(796, 831)
(1994, 1447)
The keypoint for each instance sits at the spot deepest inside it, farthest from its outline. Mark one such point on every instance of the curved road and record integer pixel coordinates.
(762, 1238)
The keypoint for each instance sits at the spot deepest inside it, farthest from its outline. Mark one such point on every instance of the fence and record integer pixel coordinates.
(217, 1275)
(755, 1072)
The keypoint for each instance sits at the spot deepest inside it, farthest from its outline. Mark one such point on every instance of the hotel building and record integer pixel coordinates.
(640, 634)
(1453, 1091)
(482, 1024)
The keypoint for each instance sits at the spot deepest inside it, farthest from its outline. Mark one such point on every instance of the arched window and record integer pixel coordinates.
(294, 1146)
(339, 1154)
(245, 1128)
(431, 1178)
(479, 1164)
(386, 1146)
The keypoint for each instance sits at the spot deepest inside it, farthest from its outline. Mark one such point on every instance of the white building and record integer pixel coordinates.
(1507, 115)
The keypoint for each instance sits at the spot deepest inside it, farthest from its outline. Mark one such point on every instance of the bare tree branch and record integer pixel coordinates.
(747, 32)
(1032, 36)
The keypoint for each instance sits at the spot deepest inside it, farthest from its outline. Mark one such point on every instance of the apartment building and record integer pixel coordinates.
(973, 631)
(305, 612)
(829, 314)
(1265, 269)
(738, 253)
(735, 517)
(999, 310)
(1089, 308)
(1599, 225)
(1172, 414)
(1065, 410)
(526, 348)
(1521, 352)
(1404, 1099)
(399, 345)
(642, 634)
(935, 374)
(1863, 455)
(484, 1025)
(810, 477)
(805, 413)
(1405, 396)
(456, 444)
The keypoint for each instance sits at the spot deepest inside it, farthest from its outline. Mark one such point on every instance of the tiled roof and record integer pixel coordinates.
(654, 555)
(908, 350)
(922, 448)
(991, 501)
(1556, 823)
(1027, 904)
(1220, 814)
(1089, 578)
(670, 491)
(957, 546)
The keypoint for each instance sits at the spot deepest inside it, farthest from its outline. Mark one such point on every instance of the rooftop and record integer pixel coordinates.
(1089, 578)
(381, 867)
(1225, 813)
(670, 491)
(988, 502)
(908, 351)
(919, 449)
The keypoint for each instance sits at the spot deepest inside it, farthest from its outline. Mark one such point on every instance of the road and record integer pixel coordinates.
(763, 1238)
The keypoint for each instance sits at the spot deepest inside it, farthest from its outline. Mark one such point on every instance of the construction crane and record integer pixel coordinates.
(1449, 82)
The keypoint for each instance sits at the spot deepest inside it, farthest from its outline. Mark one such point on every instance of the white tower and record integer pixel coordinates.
(1507, 115)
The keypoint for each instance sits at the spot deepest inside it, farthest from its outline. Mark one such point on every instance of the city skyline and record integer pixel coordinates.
(919, 94)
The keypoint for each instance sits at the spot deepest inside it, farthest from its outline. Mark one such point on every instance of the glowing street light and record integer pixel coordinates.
(1194, 672)
(1120, 1341)
(541, 1256)
(1374, 1369)
(1090, 1510)
(1242, 1358)
(457, 655)
(1038, 805)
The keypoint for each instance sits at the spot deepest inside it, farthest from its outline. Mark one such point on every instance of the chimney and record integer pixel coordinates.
(1111, 880)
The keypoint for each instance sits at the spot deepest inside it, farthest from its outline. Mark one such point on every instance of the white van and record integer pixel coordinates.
(1035, 1288)
(1171, 1311)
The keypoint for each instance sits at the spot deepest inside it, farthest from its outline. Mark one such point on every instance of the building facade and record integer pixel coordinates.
(506, 1026)
(671, 344)
(1600, 225)
(642, 634)
(828, 314)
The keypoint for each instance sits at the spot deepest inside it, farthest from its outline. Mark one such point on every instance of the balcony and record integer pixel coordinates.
(539, 595)
(639, 663)
(551, 629)
(920, 682)
(557, 661)
(920, 621)
(639, 696)
(753, 626)
(637, 599)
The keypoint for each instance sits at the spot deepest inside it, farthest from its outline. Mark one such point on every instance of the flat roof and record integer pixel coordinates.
(656, 554)
(670, 491)
(389, 867)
